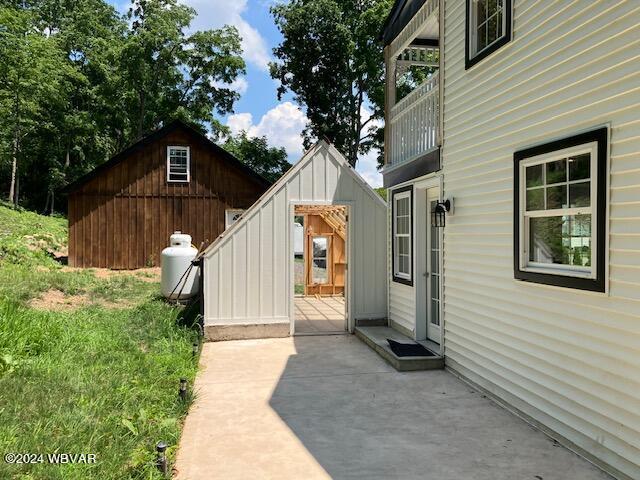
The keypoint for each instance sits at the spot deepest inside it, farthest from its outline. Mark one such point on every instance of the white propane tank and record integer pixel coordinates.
(175, 261)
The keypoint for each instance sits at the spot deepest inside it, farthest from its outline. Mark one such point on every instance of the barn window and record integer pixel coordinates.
(488, 28)
(402, 200)
(561, 205)
(231, 216)
(178, 164)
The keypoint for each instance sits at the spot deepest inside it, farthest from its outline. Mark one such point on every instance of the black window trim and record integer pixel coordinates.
(597, 284)
(506, 38)
(404, 281)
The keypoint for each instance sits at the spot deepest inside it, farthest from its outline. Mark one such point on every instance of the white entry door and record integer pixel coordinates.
(434, 275)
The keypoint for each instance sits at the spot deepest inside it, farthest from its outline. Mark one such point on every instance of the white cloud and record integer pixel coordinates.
(239, 122)
(367, 167)
(239, 85)
(282, 125)
(216, 13)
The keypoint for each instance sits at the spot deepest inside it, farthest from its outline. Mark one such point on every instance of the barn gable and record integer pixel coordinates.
(121, 213)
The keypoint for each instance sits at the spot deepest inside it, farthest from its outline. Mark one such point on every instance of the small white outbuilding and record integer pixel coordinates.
(248, 272)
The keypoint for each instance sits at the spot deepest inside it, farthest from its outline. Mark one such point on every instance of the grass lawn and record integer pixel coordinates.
(299, 276)
(97, 376)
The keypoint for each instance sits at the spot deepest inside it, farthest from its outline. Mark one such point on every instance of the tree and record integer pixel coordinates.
(30, 73)
(79, 82)
(332, 61)
(270, 162)
(170, 74)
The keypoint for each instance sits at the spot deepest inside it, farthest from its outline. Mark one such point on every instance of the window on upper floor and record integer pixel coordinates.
(402, 215)
(561, 207)
(488, 28)
(178, 164)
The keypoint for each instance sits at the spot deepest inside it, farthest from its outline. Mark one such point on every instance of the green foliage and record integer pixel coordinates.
(99, 379)
(79, 82)
(330, 58)
(382, 192)
(168, 73)
(270, 162)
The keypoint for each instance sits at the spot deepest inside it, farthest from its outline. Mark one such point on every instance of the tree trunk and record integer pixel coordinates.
(46, 204)
(14, 169)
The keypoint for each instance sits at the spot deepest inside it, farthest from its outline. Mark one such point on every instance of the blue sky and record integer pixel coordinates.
(259, 112)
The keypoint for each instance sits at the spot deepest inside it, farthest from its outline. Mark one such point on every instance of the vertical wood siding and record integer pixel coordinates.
(122, 218)
(567, 358)
(247, 271)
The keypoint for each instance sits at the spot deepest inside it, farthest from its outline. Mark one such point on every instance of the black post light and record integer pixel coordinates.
(182, 393)
(161, 460)
(439, 213)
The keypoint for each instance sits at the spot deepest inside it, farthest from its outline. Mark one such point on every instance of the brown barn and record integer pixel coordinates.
(122, 213)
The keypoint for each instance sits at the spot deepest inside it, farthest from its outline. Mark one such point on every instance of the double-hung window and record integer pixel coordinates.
(560, 212)
(488, 28)
(402, 215)
(178, 164)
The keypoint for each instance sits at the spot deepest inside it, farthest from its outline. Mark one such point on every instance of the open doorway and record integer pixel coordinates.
(320, 269)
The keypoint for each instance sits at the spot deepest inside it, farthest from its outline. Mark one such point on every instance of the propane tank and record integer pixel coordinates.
(175, 260)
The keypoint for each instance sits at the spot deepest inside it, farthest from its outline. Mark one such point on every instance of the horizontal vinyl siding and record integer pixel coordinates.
(569, 359)
(402, 305)
(402, 298)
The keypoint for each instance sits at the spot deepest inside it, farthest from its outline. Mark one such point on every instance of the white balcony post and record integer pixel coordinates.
(413, 123)
(390, 98)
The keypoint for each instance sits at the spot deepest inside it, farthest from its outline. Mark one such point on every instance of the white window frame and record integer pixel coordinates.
(524, 215)
(228, 215)
(472, 30)
(183, 148)
(406, 195)
(325, 258)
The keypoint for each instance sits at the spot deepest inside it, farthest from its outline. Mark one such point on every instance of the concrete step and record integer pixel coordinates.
(376, 338)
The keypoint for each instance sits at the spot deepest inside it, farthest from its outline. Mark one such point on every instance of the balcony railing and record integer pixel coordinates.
(414, 123)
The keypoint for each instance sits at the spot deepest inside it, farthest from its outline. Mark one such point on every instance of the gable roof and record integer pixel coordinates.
(401, 13)
(282, 181)
(156, 135)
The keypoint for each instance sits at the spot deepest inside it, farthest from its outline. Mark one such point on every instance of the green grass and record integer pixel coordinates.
(93, 380)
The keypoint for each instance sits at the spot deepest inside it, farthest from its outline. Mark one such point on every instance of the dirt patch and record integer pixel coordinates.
(57, 301)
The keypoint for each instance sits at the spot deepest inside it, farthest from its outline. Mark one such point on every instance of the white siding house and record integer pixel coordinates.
(248, 271)
(555, 339)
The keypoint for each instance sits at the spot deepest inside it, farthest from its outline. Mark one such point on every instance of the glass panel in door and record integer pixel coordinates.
(434, 247)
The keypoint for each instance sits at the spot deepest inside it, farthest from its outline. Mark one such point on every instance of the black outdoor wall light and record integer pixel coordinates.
(439, 213)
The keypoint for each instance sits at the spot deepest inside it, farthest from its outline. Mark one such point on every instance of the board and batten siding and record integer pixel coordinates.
(567, 358)
(247, 271)
(122, 215)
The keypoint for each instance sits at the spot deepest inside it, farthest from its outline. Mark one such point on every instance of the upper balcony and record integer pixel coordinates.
(412, 113)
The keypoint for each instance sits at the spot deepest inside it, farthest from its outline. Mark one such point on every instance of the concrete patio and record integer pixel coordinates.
(329, 407)
(319, 314)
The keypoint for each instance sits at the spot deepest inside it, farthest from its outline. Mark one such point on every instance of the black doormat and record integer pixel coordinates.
(409, 349)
